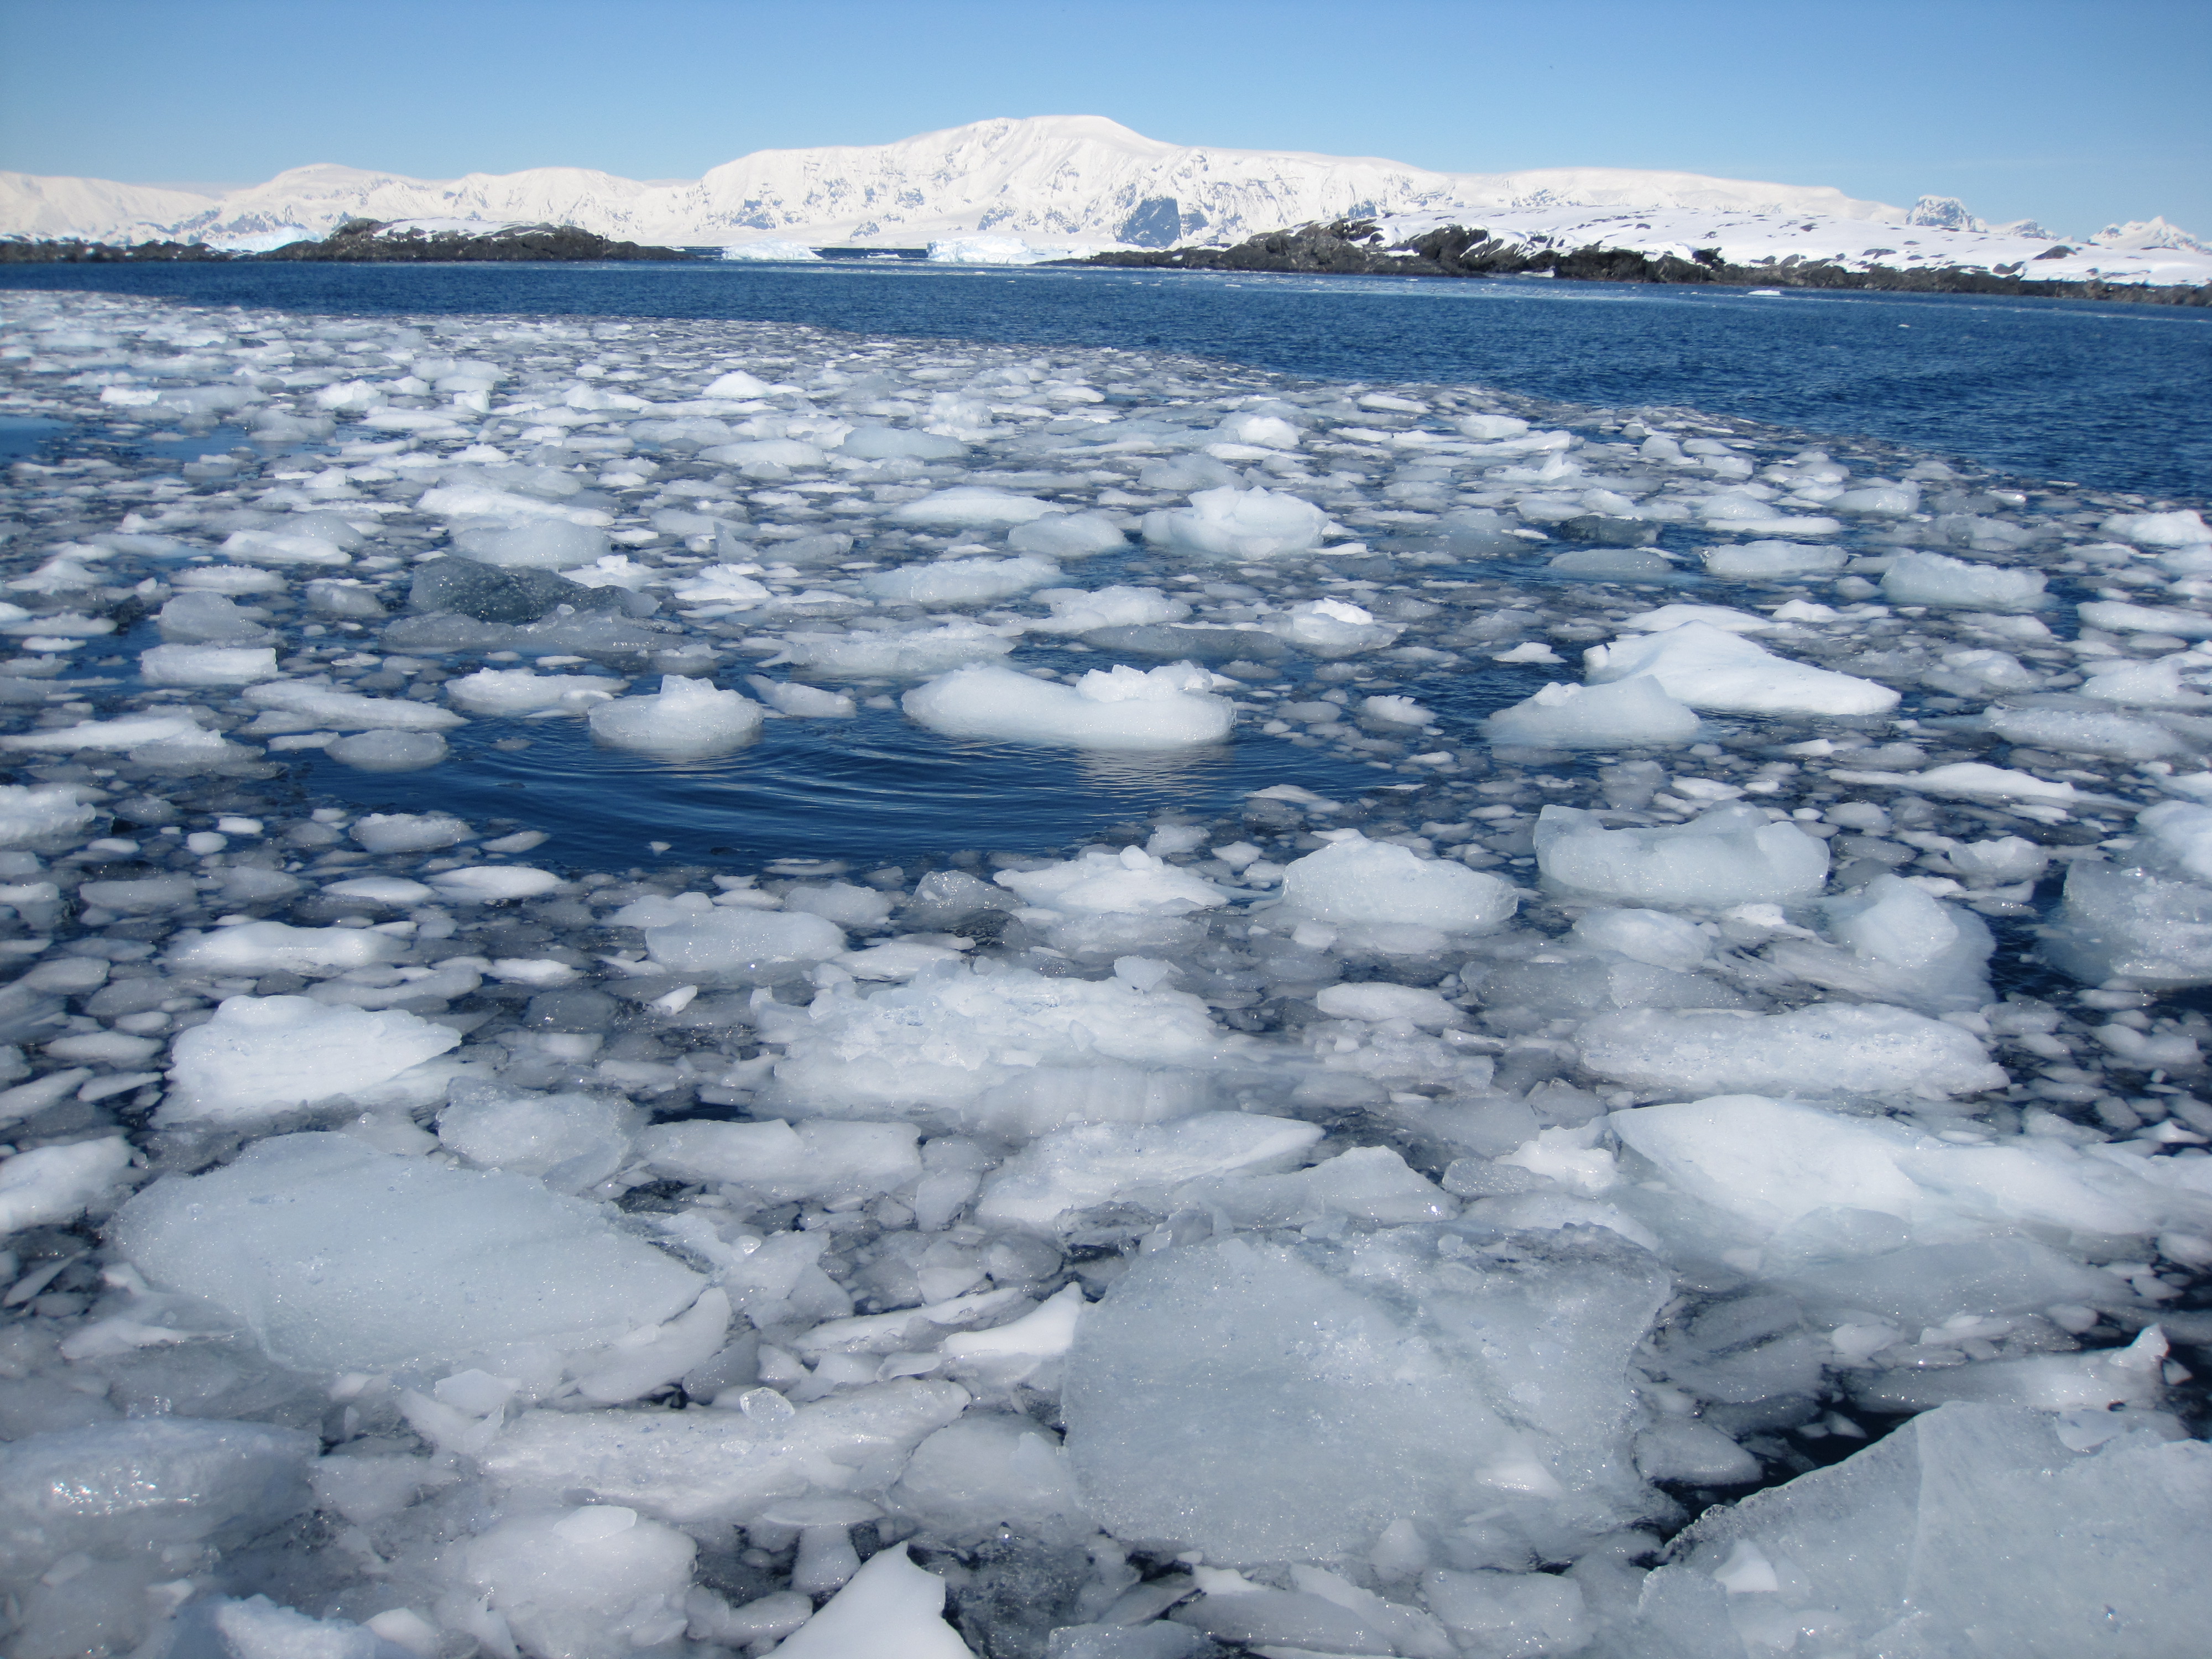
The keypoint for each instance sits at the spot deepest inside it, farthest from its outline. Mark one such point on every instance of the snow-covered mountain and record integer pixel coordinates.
(1080, 182)
(1073, 178)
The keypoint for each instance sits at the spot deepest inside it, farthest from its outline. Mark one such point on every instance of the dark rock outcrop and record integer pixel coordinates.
(366, 241)
(1355, 248)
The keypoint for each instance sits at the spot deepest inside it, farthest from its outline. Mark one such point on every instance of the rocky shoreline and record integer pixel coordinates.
(1355, 248)
(359, 241)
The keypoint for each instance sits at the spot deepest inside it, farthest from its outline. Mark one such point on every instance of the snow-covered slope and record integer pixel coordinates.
(1082, 181)
(1079, 177)
(2133, 254)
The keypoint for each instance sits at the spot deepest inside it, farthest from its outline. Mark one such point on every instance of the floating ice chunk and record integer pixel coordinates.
(261, 1056)
(2094, 1382)
(765, 453)
(886, 443)
(408, 832)
(1093, 1163)
(545, 545)
(517, 691)
(723, 1467)
(1831, 1048)
(52, 1186)
(985, 251)
(960, 581)
(1065, 535)
(1731, 855)
(1492, 428)
(1998, 862)
(746, 945)
(1772, 562)
(1895, 942)
(268, 947)
(2185, 528)
(1652, 937)
(1074, 610)
(972, 507)
(125, 1492)
(1331, 629)
(1970, 781)
(1265, 431)
(2089, 730)
(739, 386)
(2118, 616)
(43, 815)
(276, 547)
(596, 1583)
(1360, 883)
(568, 1141)
(1129, 883)
(388, 751)
(202, 618)
(1980, 1519)
(507, 509)
(892, 654)
(206, 664)
(1122, 707)
(843, 902)
(686, 717)
(338, 1258)
(774, 1162)
(891, 1609)
(1938, 580)
(1625, 714)
(1275, 1403)
(492, 883)
(775, 248)
(1375, 1000)
(894, 959)
(2156, 684)
(258, 1628)
(801, 701)
(723, 585)
(1010, 1052)
(2131, 929)
(128, 731)
(1707, 668)
(296, 706)
(993, 1469)
(1238, 524)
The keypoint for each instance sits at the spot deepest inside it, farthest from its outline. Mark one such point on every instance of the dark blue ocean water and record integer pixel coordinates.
(2113, 396)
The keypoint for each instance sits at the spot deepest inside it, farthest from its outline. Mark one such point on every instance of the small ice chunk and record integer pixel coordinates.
(1122, 707)
(1356, 882)
(269, 947)
(777, 1162)
(43, 815)
(1074, 610)
(1625, 714)
(972, 507)
(1733, 854)
(1129, 883)
(891, 1609)
(1709, 668)
(408, 832)
(1936, 579)
(52, 1186)
(887, 443)
(297, 706)
(520, 691)
(261, 1056)
(745, 946)
(1375, 1000)
(568, 1141)
(959, 581)
(2181, 528)
(1647, 936)
(812, 702)
(1772, 562)
(207, 665)
(685, 718)
(899, 653)
(1094, 1164)
(596, 1583)
(1066, 535)
(493, 883)
(1831, 1048)
(205, 619)
(1330, 628)
(1238, 524)
(336, 1257)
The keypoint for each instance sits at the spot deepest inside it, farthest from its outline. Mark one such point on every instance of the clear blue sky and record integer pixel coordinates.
(2071, 112)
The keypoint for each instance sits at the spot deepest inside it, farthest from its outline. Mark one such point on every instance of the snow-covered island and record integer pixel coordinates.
(1055, 187)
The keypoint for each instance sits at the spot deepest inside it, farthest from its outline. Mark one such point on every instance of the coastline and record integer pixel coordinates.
(1354, 247)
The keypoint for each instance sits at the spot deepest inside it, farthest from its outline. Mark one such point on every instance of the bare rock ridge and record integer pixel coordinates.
(360, 242)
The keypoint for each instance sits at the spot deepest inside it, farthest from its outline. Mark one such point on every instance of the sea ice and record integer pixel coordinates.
(336, 1257)
(1831, 1048)
(1120, 708)
(259, 1057)
(1708, 668)
(1238, 524)
(1733, 854)
(1625, 714)
(686, 717)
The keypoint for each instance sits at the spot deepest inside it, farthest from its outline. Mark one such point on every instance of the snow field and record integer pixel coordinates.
(1404, 1219)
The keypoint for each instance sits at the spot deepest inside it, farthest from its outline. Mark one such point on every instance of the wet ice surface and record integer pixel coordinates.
(671, 974)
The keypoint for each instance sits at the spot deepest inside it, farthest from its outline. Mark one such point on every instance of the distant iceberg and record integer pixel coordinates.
(998, 251)
(774, 251)
(261, 241)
